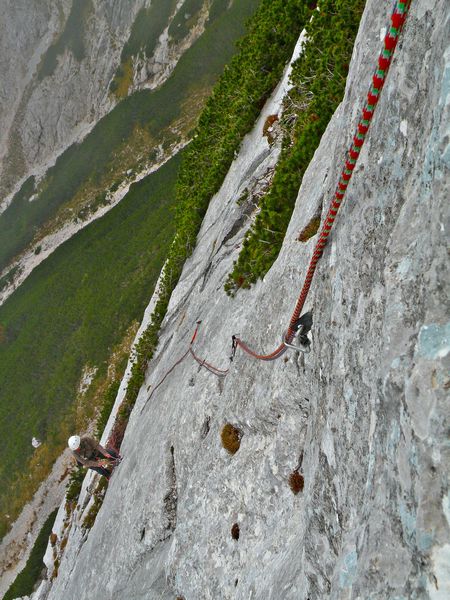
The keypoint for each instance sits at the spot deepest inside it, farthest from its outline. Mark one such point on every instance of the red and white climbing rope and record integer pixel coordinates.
(208, 366)
(203, 363)
(384, 61)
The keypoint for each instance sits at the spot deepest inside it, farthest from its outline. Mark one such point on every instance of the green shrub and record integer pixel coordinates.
(74, 484)
(55, 569)
(99, 495)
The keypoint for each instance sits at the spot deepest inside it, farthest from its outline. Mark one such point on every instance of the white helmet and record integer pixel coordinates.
(74, 442)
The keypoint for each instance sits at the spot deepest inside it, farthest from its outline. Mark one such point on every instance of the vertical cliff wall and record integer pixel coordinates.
(364, 416)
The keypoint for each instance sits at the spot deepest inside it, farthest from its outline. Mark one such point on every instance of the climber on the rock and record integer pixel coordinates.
(89, 453)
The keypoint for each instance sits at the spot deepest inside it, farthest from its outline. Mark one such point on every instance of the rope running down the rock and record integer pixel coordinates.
(173, 367)
(384, 61)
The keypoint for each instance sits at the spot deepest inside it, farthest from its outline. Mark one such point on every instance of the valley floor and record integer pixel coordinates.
(16, 546)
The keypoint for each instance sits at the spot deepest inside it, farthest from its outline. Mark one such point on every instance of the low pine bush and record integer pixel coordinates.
(99, 495)
(74, 484)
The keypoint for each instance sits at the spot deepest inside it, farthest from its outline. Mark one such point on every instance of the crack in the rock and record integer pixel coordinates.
(258, 190)
(205, 427)
(171, 497)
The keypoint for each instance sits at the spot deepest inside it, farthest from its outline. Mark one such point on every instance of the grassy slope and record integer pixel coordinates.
(318, 77)
(78, 304)
(73, 309)
(110, 148)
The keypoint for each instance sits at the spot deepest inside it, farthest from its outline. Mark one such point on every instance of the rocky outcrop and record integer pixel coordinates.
(150, 72)
(363, 417)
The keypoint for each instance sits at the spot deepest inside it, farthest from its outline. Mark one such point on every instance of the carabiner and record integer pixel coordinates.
(300, 348)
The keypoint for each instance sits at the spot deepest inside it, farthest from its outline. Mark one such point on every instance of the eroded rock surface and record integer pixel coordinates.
(364, 415)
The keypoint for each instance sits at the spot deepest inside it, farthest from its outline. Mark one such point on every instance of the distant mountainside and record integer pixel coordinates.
(65, 66)
(57, 60)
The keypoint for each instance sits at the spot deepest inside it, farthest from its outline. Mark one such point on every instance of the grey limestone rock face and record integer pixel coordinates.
(364, 416)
